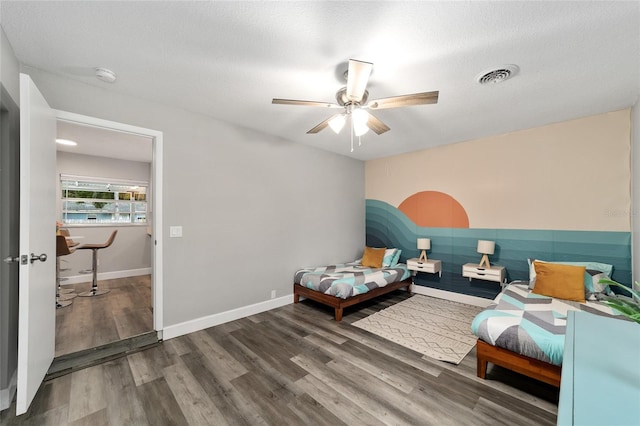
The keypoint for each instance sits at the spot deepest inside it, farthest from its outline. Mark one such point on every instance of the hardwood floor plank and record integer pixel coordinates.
(270, 351)
(52, 395)
(343, 408)
(124, 406)
(366, 398)
(160, 406)
(146, 366)
(378, 369)
(87, 392)
(311, 412)
(218, 355)
(229, 401)
(196, 406)
(99, 418)
(496, 414)
(54, 417)
(265, 401)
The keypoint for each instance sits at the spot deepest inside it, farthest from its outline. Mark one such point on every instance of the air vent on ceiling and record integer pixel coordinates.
(498, 75)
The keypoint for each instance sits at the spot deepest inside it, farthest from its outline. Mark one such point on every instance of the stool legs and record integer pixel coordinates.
(62, 300)
(94, 285)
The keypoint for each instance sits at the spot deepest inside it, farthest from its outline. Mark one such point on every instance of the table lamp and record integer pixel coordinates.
(486, 248)
(423, 244)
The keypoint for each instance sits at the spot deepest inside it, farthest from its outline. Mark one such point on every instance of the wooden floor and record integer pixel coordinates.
(94, 321)
(290, 366)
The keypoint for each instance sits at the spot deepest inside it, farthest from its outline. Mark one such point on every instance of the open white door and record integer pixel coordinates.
(37, 316)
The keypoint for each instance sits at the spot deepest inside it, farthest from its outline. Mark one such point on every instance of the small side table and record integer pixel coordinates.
(494, 273)
(430, 266)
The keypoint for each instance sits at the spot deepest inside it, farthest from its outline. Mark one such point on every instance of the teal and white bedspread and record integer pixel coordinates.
(530, 324)
(349, 279)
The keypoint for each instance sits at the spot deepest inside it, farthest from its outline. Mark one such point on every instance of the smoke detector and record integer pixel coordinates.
(105, 75)
(497, 75)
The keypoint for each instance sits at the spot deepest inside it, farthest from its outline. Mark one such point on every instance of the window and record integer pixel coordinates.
(87, 200)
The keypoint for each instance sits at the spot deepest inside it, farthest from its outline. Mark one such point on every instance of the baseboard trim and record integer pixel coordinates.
(76, 279)
(212, 320)
(6, 395)
(450, 295)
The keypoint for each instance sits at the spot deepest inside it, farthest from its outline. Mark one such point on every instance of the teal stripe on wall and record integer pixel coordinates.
(387, 226)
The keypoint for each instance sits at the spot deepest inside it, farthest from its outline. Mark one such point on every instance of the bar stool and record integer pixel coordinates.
(71, 244)
(94, 265)
(62, 249)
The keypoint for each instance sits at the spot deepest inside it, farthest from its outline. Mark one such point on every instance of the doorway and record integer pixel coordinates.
(95, 324)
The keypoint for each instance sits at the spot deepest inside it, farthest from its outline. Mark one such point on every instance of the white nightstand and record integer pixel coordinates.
(431, 266)
(495, 273)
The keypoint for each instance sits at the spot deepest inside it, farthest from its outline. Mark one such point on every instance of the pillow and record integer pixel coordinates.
(559, 280)
(388, 257)
(596, 266)
(595, 290)
(396, 258)
(372, 257)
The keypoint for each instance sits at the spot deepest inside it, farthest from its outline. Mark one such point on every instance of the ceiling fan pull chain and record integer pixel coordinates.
(351, 132)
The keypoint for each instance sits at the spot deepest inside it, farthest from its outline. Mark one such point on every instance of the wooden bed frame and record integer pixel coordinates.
(531, 367)
(338, 304)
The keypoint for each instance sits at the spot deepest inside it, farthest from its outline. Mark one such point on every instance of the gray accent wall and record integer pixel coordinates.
(254, 208)
(131, 250)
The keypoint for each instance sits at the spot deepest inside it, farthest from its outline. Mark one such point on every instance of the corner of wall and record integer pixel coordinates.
(635, 190)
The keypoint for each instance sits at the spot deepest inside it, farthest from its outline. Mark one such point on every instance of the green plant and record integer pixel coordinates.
(627, 306)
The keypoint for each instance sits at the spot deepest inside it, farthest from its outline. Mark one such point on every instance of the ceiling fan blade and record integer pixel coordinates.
(376, 125)
(321, 126)
(357, 79)
(404, 100)
(305, 103)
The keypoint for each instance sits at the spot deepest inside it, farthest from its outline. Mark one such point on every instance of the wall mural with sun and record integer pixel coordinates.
(493, 189)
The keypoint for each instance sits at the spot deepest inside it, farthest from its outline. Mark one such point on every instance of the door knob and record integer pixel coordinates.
(41, 258)
(11, 259)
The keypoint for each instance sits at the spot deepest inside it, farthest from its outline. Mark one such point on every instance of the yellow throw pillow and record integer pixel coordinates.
(560, 281)
(372, 257)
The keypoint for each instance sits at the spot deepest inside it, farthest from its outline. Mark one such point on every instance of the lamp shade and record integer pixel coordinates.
(424, 243)
(337, 122)
(486, 247)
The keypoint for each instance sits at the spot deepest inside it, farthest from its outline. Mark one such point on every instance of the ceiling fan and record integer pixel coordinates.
(353, 100)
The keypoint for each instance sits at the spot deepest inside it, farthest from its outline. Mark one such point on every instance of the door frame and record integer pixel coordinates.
(156, 202)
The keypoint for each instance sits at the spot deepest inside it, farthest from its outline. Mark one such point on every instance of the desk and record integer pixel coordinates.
(600, 382)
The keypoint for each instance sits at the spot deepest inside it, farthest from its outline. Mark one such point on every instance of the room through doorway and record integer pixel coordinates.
(107, 183)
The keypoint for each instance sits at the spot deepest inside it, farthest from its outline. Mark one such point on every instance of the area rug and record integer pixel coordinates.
(437, 328)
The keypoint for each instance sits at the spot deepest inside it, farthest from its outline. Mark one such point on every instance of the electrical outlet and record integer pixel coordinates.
(273, 294)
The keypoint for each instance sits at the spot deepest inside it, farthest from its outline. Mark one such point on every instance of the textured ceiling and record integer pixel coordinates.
(229, 59)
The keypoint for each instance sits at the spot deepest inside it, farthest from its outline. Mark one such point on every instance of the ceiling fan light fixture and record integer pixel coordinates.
(337, 123)
(66, 142)
(360, 118)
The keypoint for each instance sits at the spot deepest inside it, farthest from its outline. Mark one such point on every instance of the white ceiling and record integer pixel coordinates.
(101, 142)
(229, 59)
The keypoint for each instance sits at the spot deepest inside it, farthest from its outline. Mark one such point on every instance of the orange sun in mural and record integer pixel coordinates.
(433, 209)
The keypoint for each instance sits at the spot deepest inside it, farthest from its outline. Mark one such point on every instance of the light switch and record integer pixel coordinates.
(175, 231)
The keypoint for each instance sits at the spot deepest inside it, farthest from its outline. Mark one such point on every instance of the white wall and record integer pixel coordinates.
(131, 250)
(254, 208)
(9, 68)
(635, 190)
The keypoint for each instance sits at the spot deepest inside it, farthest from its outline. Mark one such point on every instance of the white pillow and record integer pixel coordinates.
(388, 257)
